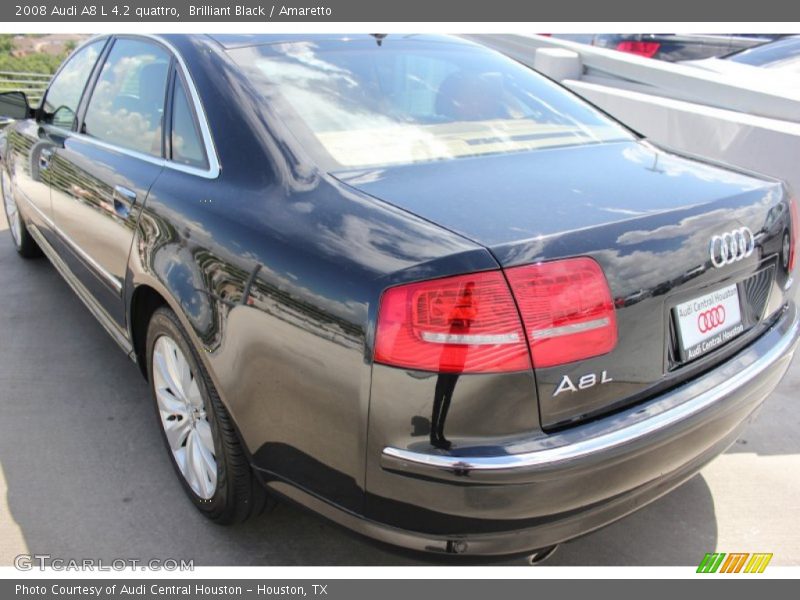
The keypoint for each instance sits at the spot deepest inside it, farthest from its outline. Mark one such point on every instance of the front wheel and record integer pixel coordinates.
(25, 244)
(202, 443)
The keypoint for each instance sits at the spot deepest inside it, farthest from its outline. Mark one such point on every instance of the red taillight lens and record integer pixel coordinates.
(471, 324)
(795, 232)
(567, 310)
(462, 324)
(646, 49)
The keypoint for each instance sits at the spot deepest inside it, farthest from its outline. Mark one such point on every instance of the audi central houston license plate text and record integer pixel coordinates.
(709, 321)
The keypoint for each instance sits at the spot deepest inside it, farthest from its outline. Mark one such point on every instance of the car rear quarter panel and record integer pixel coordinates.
(276, 271)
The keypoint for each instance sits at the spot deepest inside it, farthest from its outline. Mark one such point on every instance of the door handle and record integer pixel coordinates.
(124, 199)
(44, 159)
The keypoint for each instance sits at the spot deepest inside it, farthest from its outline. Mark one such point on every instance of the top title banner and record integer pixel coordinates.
(475, 11)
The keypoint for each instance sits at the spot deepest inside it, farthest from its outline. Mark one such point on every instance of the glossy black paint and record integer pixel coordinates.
(542, 506)
(276, 269)
(650, 235)
(82, 181)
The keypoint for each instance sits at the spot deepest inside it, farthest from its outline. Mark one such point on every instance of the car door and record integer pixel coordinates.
(31, 141)
(101, 175)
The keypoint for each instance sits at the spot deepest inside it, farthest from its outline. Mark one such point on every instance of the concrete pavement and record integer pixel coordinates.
(83, 472)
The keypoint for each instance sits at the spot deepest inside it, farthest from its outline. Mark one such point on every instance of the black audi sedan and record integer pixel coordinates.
(404, 281)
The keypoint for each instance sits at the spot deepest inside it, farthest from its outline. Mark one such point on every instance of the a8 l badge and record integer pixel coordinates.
(584, 382)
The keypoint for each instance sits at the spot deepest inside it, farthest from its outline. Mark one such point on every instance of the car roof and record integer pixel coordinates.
(235, 40)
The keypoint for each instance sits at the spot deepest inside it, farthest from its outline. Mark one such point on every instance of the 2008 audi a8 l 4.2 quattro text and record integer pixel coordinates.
(404, 281)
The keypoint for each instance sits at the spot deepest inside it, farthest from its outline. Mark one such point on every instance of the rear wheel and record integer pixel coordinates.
(202, 443)
(26, 246)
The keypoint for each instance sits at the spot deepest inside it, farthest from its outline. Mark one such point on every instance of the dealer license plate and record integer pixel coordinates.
(709, 321)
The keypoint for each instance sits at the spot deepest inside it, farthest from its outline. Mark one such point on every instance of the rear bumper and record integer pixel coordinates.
(532, 493)
(745, 380)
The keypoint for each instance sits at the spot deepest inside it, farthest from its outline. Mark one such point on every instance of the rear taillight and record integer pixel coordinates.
(567, 310)
(795, 217)
(471, 323)
(646, 49)
(462, 324)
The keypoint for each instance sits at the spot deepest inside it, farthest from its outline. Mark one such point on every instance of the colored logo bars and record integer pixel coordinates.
(736, 562)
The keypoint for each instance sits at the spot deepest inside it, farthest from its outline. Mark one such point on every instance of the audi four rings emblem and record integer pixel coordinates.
(711, 318)
(732, 246)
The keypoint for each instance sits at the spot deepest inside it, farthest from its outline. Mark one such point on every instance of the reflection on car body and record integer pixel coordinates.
(401, 280)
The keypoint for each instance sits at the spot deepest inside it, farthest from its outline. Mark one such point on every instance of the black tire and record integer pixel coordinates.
(26, 246)
(239, 494)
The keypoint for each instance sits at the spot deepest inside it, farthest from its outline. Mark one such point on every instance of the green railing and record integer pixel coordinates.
(33, 84)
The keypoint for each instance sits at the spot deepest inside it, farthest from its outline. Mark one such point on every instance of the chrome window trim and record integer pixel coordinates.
(210, 149)
(108, 277)
(155, 160)
(212, 172)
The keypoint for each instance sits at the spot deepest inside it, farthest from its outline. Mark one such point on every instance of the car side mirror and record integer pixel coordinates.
(14, 105)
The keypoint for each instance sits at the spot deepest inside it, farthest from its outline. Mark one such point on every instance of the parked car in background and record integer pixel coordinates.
(404, 281)
(774, 63)
(670, 47)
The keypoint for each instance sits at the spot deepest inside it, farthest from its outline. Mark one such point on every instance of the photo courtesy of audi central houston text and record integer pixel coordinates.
(404, 281)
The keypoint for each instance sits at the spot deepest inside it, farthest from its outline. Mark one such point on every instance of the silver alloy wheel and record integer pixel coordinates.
(183, 417)
(12, 212)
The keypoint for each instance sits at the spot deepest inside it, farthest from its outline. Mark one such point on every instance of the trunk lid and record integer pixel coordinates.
(648, 218)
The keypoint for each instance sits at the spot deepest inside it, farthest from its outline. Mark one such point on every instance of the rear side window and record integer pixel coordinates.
(61, 102)
(186, 142)
(127, 105)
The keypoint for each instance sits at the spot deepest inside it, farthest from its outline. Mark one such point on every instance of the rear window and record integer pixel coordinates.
(359, 103)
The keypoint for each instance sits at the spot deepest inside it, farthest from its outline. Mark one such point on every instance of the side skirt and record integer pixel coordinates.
(82, 293)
